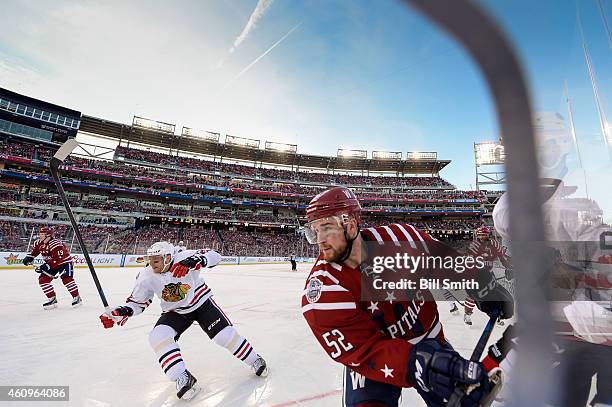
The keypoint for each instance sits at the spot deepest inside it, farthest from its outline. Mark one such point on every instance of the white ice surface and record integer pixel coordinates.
(116, 367)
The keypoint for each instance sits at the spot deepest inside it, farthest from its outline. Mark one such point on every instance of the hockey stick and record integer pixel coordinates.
(62, 153)
(460, 391)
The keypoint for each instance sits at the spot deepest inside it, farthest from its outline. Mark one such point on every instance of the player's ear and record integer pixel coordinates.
(353, 226)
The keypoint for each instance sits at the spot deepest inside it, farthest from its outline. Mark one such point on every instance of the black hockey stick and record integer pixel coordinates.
(460, 391)
(62, 153)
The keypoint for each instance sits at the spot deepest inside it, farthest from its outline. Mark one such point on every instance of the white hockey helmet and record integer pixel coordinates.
(554, 143)
(163, 249)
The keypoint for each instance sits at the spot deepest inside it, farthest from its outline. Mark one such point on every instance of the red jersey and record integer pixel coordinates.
(490, 252)
(372, 338)
(54, 252)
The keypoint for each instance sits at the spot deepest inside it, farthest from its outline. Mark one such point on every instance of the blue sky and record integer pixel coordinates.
(353, 74)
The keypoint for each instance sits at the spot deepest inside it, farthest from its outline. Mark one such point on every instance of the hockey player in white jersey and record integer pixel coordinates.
(583, 319)
(185, 298)
(180, 247)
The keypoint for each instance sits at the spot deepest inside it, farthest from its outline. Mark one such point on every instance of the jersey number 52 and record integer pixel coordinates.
(335, 340)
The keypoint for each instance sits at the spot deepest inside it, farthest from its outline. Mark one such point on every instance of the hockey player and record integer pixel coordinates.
(384, 345)
(57, 263)
(491, 250)
(185, 298)
(582, 319)
(293, 263)
(180, 247)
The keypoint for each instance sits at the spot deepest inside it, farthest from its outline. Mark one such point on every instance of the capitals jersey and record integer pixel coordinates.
(372, 338)
(181, 295)
(54, 252)
(491, 252)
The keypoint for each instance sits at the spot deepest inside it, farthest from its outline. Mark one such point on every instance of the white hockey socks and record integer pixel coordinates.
(169, 355)
(238, 345)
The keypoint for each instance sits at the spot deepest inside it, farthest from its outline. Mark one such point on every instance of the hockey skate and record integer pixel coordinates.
(77, 301)
(187, 386)
(454, 309)
(260, 368)
(467, 318)
(50, 304)
(500, 322)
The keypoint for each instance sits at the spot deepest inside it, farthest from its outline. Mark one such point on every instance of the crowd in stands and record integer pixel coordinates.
(183, 176)
(15, 236)
(101, 237)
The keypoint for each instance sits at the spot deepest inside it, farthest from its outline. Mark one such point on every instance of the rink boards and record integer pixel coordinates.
(13, 260)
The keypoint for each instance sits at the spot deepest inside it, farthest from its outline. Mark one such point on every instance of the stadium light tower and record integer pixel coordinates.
(490, 155)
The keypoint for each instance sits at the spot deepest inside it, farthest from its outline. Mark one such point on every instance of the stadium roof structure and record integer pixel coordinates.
(187, 143)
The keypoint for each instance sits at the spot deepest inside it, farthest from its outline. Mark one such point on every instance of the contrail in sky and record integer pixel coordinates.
(249, 66)
(260, 9)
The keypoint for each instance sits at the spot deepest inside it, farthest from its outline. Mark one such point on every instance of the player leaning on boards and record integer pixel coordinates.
(58, 263)
(185, 298)
(358, 334)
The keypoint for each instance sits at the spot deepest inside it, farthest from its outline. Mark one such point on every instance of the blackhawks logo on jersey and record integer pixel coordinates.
(175, 292)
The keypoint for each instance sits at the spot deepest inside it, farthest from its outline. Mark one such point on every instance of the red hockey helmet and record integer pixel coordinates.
(333, 202)
(338, 203)
(46, 230)
(483, 232)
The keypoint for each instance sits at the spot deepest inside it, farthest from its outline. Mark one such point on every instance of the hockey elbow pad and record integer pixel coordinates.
(212, 258)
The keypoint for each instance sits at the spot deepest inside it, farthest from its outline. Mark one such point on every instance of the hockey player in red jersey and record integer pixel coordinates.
(185, 297)
(57, 263)
(491, 250)
(384, 345)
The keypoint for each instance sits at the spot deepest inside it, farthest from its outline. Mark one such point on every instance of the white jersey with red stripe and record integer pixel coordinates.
(373, 338)
(181, 295)
(54, 252)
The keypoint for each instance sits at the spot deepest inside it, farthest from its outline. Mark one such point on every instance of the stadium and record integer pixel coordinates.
(233, 196)
(208, 191)
(305, 204)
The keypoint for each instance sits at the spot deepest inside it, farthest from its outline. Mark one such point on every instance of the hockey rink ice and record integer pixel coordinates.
(116, 367)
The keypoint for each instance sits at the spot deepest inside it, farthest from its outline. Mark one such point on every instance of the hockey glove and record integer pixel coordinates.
(498, 351)
(119, 315)
(43, 268)
(197, 261)
(437, 369)
(491, 297)
(27, 260)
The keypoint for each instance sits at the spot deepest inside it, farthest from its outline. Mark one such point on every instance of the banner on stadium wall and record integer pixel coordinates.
(10, 260)
(230, 260)
(15, 259)
(132, 260)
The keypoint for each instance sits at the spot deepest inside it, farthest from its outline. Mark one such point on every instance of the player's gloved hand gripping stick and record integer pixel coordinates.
(462, 390)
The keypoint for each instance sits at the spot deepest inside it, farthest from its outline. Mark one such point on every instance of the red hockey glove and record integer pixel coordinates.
(119, 315)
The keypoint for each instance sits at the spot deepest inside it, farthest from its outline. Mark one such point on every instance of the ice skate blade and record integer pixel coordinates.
(48, 307)
(191, 393)
(78, 304)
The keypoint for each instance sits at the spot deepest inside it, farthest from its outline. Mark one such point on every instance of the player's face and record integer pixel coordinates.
(330, 239)
(158, 264)
(43, 236)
